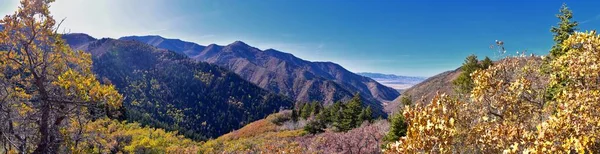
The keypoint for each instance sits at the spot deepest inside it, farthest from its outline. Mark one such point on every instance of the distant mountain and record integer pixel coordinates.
(286, 74)
(168, 90)
(395, 81)
(426, 90)
(179, 46)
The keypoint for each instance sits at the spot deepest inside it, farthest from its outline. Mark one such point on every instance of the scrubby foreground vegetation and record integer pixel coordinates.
(278, 133)
(522, 104)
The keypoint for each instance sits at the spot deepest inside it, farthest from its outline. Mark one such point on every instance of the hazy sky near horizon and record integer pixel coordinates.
(410, 37)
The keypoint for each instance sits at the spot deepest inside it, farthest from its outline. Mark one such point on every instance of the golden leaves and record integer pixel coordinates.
(431, 128)
(508, 112)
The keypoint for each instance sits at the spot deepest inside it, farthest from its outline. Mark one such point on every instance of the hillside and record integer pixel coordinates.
(274, 135)
(286, 74)
(426, 90)
(168, 90)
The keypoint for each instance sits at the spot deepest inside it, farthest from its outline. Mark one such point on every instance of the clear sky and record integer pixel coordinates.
(408, 37)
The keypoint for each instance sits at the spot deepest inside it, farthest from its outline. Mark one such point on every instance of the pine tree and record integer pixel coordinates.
(398, 128)
(306, 111)
(368, 114)
(565, 28)
(486, 63)
(316, 108)
(464, 83)
(294, 115)
(337, 116)
(316, 125)
(350, 114)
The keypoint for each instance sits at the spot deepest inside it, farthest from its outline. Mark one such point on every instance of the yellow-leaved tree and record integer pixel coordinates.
(431, 128)
(44, 85)
(508, 112)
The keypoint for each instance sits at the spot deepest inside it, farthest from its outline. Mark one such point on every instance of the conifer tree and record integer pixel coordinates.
(398, 128)
(350, 117)
(565, 28)
(464, 83)
(486, 63)
(306, 111)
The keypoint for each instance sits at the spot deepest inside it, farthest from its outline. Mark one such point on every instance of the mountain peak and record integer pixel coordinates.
(239, 43)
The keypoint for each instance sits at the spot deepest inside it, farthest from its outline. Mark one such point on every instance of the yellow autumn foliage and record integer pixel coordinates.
(508, 111)
(108, 136)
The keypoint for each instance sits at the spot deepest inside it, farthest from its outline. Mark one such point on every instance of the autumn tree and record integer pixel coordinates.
(44, 85)
(431, 128)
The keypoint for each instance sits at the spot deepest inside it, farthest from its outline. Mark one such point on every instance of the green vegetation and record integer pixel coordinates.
(565, 28)
(167, 90)
(464, 83)
(340, 116)
(398, 126)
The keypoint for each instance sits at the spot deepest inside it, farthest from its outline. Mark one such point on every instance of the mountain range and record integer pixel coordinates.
(395, 81)
(164, 89)
(281, 72)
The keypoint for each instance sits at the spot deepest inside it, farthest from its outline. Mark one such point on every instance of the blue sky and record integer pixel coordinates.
(417, 38)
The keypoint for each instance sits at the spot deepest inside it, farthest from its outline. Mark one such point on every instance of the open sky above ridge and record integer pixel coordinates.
(410, 37)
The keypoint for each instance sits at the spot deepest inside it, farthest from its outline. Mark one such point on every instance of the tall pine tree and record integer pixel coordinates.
(464, 83)
(565, 28)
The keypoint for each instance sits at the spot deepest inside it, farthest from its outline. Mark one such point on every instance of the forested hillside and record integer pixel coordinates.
(283, 73)
(167, 90)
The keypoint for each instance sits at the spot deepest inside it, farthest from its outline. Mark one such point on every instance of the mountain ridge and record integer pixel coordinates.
(287, 74)
(168, 90)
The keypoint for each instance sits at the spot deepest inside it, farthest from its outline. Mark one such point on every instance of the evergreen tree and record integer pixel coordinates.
(316, 125)
(486, 63)
(316, 108)
(398, 128)
(299, 109)
(464, 83)
(294, 115)
(306, 111)
(565, 28)
(337, 116)
(350, 117)
(367, 114)
(406, 100)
